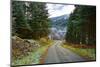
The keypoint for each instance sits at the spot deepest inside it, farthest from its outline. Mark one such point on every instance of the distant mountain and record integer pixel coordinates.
(60, 21)
(59, 27)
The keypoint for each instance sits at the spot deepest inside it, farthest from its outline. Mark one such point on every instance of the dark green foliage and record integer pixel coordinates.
(82, 25)
(39, 20)
(18, 18)
(30, 19)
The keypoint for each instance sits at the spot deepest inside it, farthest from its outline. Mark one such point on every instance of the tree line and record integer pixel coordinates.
(81, 26)
(29, 19)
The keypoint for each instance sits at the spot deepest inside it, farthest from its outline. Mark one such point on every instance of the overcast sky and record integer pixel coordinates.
(59, 9)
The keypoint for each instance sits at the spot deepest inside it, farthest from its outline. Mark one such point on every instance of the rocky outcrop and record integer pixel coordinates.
(22, 47)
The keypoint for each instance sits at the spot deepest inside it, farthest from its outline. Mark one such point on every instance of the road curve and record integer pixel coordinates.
(58, 54)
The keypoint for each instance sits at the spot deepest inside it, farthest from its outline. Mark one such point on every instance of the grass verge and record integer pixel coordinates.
(33, 57)
(87, 53)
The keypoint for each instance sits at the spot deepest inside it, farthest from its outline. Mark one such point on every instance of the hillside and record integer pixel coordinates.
(60, 21)
(59, 24)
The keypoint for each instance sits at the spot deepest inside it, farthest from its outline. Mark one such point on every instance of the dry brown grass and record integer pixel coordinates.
(84, 51)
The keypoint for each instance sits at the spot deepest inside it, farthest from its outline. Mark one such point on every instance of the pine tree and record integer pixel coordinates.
(31, 19)
(82, 25)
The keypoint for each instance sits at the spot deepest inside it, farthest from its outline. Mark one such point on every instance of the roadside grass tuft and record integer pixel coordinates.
(88, 53)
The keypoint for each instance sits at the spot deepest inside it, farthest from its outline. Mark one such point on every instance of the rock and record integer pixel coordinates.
(22, 47)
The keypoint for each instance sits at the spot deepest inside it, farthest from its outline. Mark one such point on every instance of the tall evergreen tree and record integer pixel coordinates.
(31, 19)
(39, 19)
(82, 25)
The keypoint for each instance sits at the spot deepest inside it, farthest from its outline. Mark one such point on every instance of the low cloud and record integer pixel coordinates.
(59, 9)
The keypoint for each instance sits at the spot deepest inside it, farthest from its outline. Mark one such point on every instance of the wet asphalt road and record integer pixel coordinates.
(58, 54)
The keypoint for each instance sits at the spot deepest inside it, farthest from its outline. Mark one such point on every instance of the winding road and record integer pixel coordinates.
(57, 54)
